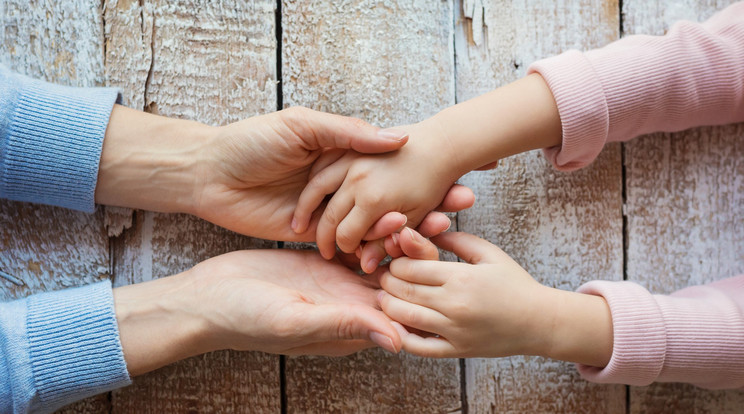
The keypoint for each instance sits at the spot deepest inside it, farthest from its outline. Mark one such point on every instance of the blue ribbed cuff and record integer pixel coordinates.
(52, 144)
(74, 345)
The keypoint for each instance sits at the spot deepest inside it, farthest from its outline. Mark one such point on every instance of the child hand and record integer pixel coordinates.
(488, 307)
(412, 181)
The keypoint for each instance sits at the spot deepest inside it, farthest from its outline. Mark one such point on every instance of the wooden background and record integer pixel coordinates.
(664, 210)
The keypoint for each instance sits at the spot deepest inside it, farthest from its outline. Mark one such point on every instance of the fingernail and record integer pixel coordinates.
(449, 225)
(413, 235)
(382, 341)
(380, 294)
(392, 134)
(372, 265)
(395, 238)
(294, 224)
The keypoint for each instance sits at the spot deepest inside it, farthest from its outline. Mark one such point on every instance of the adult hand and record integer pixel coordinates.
(279, 301)
(246, 176)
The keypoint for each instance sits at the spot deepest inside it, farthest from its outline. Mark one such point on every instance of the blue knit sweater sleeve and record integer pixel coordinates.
(59, 347)
(50, 140)
(62, 346)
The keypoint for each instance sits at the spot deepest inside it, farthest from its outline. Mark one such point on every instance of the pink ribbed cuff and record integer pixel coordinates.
(639, 336)
(581, 105)
(705, 334)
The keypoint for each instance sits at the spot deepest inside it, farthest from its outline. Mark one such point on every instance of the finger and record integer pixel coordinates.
(391, 222)
(353, 227)
(424, 295)
(410, 314)
(327, 158)
(433, 224)
(335, 211)
(422, 272)
(333, 322)
(392, 245)
(432, 346)
(416, 246)
(470, 248)
(458, 198)
(373, 253)
(489, 166)
(325, 182)
(322, 130)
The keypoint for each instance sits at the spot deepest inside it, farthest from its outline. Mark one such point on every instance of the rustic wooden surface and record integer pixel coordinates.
(390, 63)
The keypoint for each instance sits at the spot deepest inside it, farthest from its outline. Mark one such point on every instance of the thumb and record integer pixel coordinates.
(332, 322)
(323, 130)
(470, 248)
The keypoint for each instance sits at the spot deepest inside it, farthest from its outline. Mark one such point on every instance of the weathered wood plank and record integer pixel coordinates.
(565, 229)
(51, 248)
(388, 63)
(213, 62)
(684, 198)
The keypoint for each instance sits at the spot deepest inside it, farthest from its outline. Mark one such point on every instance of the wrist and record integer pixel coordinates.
(580, 328)
(160, 323)
(151, 162)
(515, 118)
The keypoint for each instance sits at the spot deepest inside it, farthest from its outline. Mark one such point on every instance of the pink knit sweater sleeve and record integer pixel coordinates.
(692, 76)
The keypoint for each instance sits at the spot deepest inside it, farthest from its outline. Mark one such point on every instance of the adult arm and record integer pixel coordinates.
(59, 347)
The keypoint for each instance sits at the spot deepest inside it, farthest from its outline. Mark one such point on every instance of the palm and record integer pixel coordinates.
(290, 302)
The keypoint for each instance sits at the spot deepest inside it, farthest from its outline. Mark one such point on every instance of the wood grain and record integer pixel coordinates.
(213, 62)
(388, 63)
(685, 221)
(565, 229)
(50, 248)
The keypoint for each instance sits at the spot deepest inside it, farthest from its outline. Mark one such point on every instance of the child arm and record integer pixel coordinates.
(617, 332)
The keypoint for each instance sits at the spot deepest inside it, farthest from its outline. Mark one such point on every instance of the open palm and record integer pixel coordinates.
(291, 302)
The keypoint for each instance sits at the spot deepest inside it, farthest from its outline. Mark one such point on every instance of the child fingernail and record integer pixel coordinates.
(372, 265)
(392, 134)
(413, 235)
(395, 238)
(382, 341)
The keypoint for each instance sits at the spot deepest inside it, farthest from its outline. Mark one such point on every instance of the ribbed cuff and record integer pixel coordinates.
(582, 108)
(639, 344)
(74, 345)
(53, 144)
(705, 335)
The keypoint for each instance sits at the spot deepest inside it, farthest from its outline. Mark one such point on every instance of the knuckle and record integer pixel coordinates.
(331, 215)
(357, 175)
(407, 290)
(373, 199)
(358, 123)
(345, 238)
(458, 308)
(412, 317)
